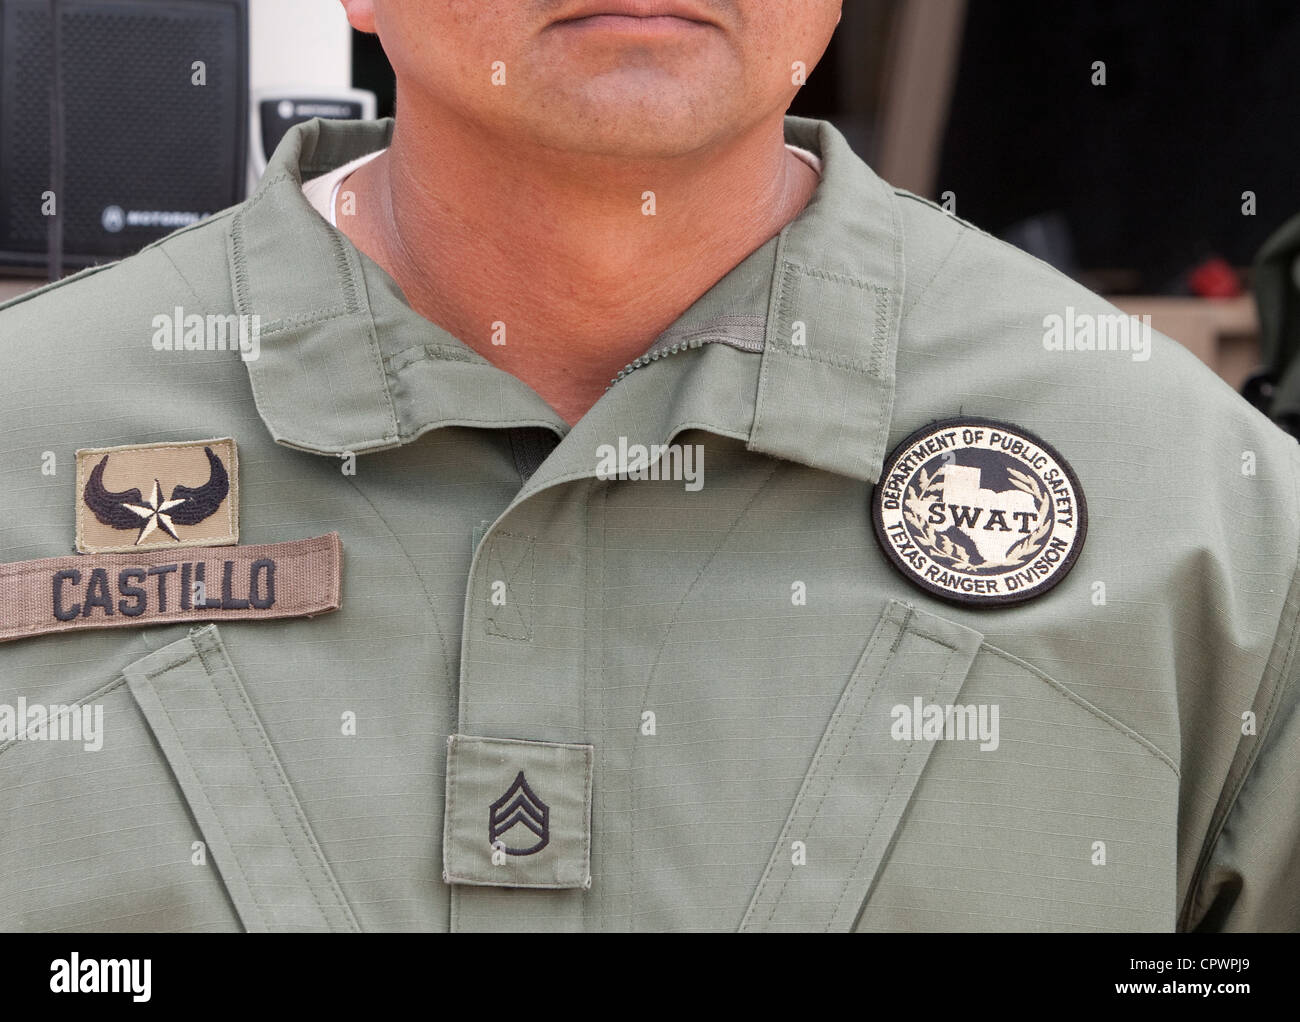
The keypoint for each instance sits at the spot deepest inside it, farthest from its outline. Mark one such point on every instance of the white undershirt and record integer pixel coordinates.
(323, 192)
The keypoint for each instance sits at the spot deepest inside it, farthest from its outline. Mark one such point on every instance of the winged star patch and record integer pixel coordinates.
(979, 512)
(156, 496)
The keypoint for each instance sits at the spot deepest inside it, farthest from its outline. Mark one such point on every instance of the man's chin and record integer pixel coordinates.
(634, 116)
(632, 140)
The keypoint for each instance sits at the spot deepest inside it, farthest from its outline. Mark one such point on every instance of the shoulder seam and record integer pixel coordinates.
(1038, 262)
(90, 271)
(903, 193)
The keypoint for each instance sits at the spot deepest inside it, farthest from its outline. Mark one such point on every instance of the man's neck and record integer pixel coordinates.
(558, 254)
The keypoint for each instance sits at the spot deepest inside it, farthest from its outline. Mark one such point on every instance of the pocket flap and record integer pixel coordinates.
(249, 816)
(853, 796)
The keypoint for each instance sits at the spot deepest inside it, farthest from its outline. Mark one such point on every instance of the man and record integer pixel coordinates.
(895, 581)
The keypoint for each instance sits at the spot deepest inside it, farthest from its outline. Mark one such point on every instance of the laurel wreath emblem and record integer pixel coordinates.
(926, 487)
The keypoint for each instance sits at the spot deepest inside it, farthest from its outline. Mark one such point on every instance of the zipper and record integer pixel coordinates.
(753, 344)
(653, 356)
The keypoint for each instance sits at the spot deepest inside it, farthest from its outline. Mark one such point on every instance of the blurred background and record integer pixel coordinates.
(1148, 150)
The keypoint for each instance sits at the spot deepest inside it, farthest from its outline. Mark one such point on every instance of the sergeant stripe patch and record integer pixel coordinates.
(238, 583)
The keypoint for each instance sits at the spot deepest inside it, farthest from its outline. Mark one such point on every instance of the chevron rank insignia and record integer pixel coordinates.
(517, 813)
(157, 496)
(979, 512)
(519, 808)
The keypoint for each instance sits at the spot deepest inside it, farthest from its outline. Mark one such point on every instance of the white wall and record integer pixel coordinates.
(299, 44)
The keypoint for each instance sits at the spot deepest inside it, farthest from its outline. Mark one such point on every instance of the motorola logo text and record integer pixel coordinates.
(114, 218)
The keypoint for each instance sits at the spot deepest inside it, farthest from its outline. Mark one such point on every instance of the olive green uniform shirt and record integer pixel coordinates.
(697, 683)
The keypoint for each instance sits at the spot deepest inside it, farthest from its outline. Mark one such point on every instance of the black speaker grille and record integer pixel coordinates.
(26, 133)
(140, 136)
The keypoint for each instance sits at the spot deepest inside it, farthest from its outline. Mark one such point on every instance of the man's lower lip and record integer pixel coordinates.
(659, 24)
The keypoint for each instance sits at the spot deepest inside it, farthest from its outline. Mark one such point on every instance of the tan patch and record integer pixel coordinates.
(157, 496)
(242, 583)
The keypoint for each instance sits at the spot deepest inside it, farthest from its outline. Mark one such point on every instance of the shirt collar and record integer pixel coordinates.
(346, 365)
(826, 386)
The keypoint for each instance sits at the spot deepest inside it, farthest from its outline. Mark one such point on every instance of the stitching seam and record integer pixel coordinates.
(258, 773)
(99, 693)
(1100, 714)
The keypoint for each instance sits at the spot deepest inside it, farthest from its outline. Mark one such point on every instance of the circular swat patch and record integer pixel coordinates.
(979, 512)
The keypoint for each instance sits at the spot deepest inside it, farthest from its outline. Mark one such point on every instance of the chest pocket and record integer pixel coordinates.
(1022, 808)
(250, 818)
(183, 820)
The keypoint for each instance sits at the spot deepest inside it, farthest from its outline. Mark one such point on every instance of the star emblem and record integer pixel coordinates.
(154, 515)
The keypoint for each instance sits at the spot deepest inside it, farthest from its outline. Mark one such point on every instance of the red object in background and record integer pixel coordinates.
(1214, 278)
